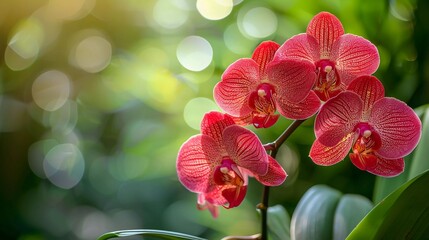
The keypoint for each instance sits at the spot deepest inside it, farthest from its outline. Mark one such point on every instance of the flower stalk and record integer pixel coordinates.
(273, 147)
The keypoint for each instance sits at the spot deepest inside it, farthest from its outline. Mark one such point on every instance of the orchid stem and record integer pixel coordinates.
(273, 147)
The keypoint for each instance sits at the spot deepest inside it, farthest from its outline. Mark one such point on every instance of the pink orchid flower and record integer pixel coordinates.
(253, 89)
(379, 130)
(216, 164)
(337, 58)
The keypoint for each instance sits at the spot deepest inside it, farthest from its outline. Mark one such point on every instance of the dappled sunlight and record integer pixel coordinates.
(258, 22)
(97, 97)
(51, 90)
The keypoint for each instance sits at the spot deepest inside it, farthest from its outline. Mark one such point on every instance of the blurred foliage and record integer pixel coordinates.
(96, 98)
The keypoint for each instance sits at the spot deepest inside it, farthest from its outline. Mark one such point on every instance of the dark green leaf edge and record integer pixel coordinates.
(369, 226)
(161, 234)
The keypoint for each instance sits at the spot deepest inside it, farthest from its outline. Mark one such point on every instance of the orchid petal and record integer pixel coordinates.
(293, 79)
(388, 167)
(263, 54)
(302, 110)
(202, 204)
(245, 149)
(243, 120)
(214, 123)
(214, 195)
(325, 28)
(299, 47)
(326, 156)
(370, 89)
(338, 117)
(275, 176)
(398, 126)
(355, 56)
(238, 81)
(195, 162)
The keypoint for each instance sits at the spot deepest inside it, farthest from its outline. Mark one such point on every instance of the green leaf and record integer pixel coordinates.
(404, 214)
(278, 221)
(160, 234)
(420, 161)
(314, 214)
(350, 211)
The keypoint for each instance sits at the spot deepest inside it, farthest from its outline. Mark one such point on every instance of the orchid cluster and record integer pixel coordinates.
(323, 72)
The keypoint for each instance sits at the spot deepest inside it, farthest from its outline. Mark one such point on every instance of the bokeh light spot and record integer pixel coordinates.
(195, 110)
(92, 54)
(36, 155)
(65, 118)
(258, 22)
(165, 9)
(194, 53)
(64, 165)
(235, 41)
(214, 9)
(51, 90)
(24, 45)
(401, 9)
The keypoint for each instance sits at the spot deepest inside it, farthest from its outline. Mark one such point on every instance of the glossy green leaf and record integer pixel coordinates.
(404, 214)
(420, 162)
(160, 234)
(350, 211)
(314, 214)
(278, 223)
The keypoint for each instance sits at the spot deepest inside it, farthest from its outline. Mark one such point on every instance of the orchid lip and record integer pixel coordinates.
(328, 80)
(228, 174)
(365, 147)
(263, 104)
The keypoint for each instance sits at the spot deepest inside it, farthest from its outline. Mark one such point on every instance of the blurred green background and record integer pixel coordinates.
(96, 98)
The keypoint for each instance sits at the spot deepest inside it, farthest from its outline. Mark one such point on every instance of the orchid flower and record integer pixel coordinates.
(337, 58)
(379, 130)
(216, 164)
(253, 89)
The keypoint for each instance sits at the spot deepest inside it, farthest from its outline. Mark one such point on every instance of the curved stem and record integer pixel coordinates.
(273, 147)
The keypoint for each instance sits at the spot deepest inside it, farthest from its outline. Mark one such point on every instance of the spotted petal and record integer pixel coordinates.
(302, 110)
(337, 118)
(398, 126)
(326, 156)
(299, 47)
(245, 149)
(263, 54)
(275, 176)
(388, 167)
(195, 162)
(370, 89)
(293, 79)
(355, 56)
(326, 28)
(214, 123)
(238, 81)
